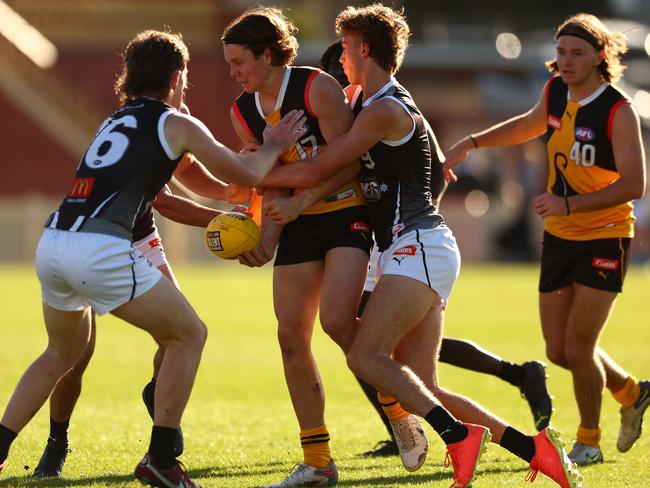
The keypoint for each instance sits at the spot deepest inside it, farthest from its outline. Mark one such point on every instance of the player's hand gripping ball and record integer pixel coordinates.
(230, 234)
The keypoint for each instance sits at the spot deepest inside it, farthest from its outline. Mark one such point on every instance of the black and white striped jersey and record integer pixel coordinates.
(396, 176)
(123, 169)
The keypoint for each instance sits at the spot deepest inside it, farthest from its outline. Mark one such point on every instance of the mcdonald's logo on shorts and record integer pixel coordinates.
(81, 187)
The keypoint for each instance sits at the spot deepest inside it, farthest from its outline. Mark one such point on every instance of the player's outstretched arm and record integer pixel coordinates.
(196, 177)
(183, 210)
(284, 210)
(373, 124)
(185, 133)
(516, 130)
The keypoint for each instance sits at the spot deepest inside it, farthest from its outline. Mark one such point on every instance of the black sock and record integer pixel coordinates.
(448, 428)
(519, 444)
(7, 436)
(59, 430)
(512, 373)
(161, 446)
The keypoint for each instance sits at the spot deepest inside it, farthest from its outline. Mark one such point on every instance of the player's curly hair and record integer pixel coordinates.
(384, 30)
(260, 28)
(148, 63)
(591, 29)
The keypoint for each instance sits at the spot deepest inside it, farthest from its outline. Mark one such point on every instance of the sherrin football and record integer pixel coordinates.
(230, 234)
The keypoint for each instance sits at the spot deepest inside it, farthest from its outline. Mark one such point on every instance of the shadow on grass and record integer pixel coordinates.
(422, 477)
(212, 474)
(210, 477)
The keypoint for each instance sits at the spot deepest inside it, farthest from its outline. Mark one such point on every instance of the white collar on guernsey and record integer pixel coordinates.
(591, 97)
(392, 82)
(280, 99)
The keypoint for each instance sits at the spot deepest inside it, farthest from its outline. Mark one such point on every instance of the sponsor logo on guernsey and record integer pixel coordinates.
(585, 134)
(360, 227)
(604, 263)
(405, 251)
(396, 229)
(213, 239)
(81, 187)
(554, 122)
(153, 243)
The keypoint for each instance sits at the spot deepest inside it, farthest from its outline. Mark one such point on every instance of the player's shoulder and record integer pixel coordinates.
(324, 84)
(325, 94)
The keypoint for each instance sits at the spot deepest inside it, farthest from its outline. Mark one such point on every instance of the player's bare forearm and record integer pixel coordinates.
(183, 210)
(196, 177)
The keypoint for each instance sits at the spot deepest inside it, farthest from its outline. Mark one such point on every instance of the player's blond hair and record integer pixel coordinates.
(590, 28)
(384, 30)
(148, 63)
(260, 28)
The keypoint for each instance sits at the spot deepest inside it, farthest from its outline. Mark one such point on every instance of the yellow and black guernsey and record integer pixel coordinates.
(294, 94)
(581, 160)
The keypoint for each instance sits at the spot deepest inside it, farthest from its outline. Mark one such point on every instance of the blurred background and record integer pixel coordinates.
(471, 63)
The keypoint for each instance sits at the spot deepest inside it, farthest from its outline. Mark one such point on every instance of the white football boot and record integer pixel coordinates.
(411, 441)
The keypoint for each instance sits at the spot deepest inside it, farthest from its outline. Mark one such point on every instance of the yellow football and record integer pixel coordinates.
(230, 234)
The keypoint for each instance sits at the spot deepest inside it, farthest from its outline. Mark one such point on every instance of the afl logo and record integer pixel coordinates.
(585, 134)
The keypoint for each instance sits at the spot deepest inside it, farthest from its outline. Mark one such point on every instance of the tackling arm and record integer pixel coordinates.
(372, 125)
(185, 133)
(183, 210)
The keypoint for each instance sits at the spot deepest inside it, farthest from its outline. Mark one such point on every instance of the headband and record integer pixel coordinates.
(579, 31)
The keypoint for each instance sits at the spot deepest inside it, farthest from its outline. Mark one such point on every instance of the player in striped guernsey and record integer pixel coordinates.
(596, 169)
(85, 260)
(399, 335)
(529, 377)
(322, 255)
(193, 175)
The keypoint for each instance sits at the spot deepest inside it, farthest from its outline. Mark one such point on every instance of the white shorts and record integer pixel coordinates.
(151, 248)
(80, 269)
(427, 255)
(371, 276)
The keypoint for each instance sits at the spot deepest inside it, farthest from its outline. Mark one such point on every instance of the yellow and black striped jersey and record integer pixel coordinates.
(294, 94)
(581, 160)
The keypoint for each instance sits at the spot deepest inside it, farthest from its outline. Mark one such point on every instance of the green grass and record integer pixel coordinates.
(239, 425)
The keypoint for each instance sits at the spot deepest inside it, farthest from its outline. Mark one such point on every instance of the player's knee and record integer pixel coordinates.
(200, 334)
(577, 355)
(193, 335)
(81, 365)
(556, 355)
(335, 327)
(61, 359)
(292, 340)
(360, 362)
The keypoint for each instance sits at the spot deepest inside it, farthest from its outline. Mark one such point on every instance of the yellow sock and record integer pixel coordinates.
(589, 437)
(627, 395)
(391, 407)
(316, 447)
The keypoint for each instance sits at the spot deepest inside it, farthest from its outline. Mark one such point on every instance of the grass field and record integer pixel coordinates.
(239, 426)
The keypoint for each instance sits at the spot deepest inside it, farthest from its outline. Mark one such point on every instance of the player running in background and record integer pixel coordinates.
(529, 377)
(596, 168)
(146, 240)
(85, 259)
(399, 335)
(322, 255)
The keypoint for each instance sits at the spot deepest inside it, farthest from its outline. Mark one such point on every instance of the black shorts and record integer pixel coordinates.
(310, 237)
(599, 263)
